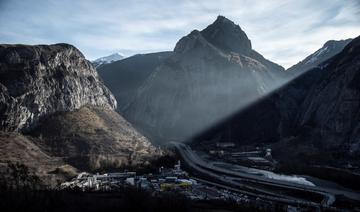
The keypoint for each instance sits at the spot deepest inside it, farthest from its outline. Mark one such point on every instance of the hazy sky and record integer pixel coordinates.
(283, 31)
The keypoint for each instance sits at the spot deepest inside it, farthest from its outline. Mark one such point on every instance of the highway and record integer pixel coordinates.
(254, 185)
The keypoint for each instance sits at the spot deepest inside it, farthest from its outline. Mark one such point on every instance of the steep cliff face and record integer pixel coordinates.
(40, 80)
(204, 81)
(316, 114)
(53, 105)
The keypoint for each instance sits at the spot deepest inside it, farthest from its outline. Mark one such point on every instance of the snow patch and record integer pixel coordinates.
(316, 55)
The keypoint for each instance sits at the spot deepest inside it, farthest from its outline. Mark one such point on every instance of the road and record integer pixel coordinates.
(253, 184)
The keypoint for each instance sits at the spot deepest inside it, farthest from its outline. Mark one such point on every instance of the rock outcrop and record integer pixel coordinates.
(40, 80)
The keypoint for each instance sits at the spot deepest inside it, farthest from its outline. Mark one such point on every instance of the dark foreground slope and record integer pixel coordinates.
(313, 119)
(127, 199)
(54, 111)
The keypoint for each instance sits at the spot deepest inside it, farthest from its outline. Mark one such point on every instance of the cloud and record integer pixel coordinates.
(283, 31)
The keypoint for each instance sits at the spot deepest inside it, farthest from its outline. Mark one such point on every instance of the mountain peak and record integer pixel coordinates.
(226, 35)
(108, 59)
(221, 18)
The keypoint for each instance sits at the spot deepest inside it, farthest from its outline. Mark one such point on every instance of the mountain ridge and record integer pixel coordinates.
(126, 76)
(328, 50)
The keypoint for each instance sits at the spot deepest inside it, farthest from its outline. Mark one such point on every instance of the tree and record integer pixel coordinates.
(20, 177)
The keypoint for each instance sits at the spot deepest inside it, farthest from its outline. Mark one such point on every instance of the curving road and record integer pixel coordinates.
(253, 184)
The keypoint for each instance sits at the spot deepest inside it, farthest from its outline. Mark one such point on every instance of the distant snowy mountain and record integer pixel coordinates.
(108, 59)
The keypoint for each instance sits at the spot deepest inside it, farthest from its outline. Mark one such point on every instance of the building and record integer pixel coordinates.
(225, 144)
(268, 155)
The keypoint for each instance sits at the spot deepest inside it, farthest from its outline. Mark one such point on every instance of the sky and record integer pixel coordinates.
(284, 31)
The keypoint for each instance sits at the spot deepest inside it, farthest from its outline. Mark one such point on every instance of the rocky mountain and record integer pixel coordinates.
(314, 117)
(54, 106)
(40, 80)
(211, 74)
(126, 76)
(107, 59)
(328, 50)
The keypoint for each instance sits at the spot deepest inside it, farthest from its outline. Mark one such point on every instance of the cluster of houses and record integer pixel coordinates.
(166, 179)
(169, 180)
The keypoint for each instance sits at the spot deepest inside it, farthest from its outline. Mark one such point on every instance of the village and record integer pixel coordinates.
(166, 180)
